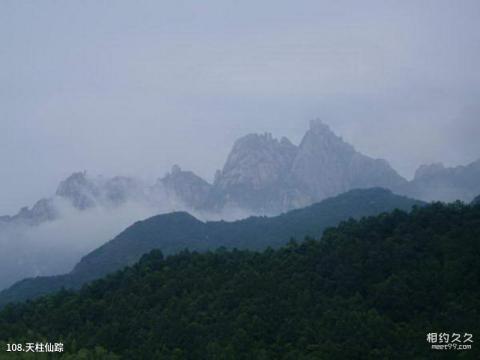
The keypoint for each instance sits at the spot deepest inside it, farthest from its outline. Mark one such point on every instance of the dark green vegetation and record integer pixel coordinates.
(369, 289)
(174, 232)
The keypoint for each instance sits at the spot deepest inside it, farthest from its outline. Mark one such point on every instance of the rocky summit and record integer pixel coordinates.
(326, 165)
(263, 175)
(437, 182)
(185, 188)
(256, 175)
(271, 176)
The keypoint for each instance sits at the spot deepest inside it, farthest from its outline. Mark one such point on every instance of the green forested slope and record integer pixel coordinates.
(369, 289)
(174, 232)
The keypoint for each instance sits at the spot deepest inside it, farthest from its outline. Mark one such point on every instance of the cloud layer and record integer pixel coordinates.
(130, 89)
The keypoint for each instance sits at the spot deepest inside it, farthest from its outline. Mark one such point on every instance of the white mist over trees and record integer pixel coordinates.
(261, 176)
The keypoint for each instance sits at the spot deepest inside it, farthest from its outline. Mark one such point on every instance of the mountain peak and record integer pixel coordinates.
(185, 186)
(429, 170)
(321, 137)
(80, 190)
(176, 169)
(436, 182)
(317, 124)
(255, 173)
(258, 159)
(326, 165)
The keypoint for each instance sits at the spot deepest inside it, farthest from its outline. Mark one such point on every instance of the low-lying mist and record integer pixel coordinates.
(54, 247)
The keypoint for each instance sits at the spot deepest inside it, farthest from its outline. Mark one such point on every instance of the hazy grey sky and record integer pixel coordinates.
(132, 87)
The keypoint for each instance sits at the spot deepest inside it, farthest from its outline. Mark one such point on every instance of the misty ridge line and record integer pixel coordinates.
(262, 175)
(177, 231)
(346, 238)
(84, 192)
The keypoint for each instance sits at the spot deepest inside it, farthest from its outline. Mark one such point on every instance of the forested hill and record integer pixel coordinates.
(369, 289)
(177, 231)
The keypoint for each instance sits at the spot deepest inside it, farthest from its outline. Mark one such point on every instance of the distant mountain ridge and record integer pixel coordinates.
(176, 231)
(178, 189)
(256, 175)
(263, 175)
(270, 176)
(437, 182)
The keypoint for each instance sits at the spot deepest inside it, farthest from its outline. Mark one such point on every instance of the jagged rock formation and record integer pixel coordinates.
(270, 176)
(48, 237)
(81, 191)
(84, 192)
(267, 176)
(263, 175)
(326, 165)
(436, 182)
(43, 210)
(426, 171)
(256, 175)
(184, 187)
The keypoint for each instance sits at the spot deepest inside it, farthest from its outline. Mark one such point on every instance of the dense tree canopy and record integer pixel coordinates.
(177, 231)
(369, 289)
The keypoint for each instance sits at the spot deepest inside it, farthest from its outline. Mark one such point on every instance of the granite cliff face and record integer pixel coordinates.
(184, 188)
(177, 190)
(268, 176)
(262, 175)
(255, 175)
(326, 165)
(436, 182)
(258, 161)
(81, 191)
(271, 176)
